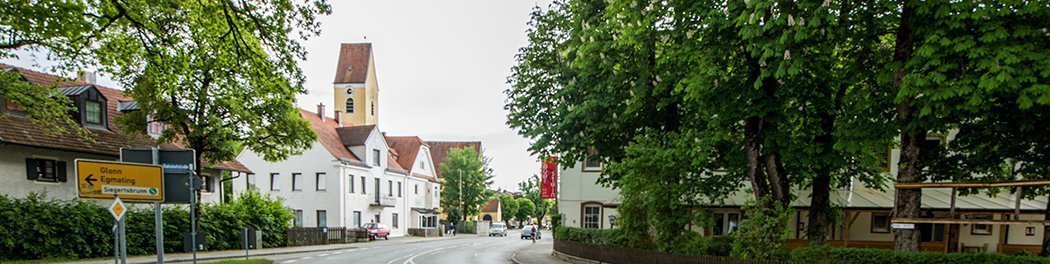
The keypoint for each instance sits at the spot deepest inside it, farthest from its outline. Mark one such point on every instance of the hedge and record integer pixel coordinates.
(694, 244)
(38, 228)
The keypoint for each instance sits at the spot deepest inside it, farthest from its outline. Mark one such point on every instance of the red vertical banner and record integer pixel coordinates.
(549, 178)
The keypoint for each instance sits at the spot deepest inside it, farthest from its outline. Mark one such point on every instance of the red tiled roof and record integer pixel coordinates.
(425, 177)
(439, 150)
(22, 131)
(407, 148)
(328, 136)
(356, 57)
(492, 206)
(354, 135)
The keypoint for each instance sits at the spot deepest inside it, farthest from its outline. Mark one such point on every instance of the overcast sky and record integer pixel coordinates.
(442, 68)
(441, 65)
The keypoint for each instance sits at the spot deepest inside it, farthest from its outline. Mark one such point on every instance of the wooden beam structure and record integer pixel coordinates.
(969, 221)
(922, 185)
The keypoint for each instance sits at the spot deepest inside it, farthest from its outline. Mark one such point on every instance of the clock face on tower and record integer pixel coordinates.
(349, 91)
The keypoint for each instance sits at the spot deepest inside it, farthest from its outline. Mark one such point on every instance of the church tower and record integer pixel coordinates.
(356, 89)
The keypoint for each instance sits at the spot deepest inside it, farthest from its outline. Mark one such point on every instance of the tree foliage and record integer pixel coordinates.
(686, 100)
(526, 210)
(508, 207)
(466, 176)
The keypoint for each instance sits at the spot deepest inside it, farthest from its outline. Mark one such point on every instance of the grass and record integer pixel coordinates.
(242, 261)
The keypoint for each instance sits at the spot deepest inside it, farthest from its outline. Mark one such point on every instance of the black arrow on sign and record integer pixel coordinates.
(90, 181)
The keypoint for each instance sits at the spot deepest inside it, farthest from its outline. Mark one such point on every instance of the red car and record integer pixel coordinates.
(377, 230)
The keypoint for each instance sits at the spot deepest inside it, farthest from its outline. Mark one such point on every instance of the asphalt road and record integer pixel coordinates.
(461, 249)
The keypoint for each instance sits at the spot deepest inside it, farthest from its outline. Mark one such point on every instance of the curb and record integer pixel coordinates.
(571, 258)
(181, 260)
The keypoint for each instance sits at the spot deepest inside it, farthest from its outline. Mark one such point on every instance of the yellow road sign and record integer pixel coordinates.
(97, 179)
(117, 209)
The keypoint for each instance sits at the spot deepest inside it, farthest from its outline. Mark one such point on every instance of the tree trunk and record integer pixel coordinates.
(752, 133)
(198, 158)
(908, 201)
(820, 198)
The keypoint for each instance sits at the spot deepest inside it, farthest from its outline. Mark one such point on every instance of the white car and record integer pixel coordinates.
(498, 229)
(526, 232)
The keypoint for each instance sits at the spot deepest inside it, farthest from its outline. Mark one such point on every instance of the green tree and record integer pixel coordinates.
(508, 207)
(220, 74)
(466, 174)
(530, 188)
(526, 209)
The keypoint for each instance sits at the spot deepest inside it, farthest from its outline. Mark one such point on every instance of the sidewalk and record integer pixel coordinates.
(231, 254)
(542, 252)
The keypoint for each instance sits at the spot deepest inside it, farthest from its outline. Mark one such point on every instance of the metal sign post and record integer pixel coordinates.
(158, 217)
(118, 210)
(193, 217)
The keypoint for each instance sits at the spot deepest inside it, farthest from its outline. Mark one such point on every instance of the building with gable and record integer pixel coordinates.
(35, 160)
(355, 174)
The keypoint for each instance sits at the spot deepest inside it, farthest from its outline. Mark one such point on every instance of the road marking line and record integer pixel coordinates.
(323, 255)
(305, 258)
(412, 259)
(290, 261)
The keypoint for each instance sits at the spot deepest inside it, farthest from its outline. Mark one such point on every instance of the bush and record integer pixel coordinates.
(762, 237)
(38, 228)
(692, 243)
(825, 254)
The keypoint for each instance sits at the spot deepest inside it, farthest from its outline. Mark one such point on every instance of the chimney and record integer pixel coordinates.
(87, 76)
(338, 119)
(320, 111)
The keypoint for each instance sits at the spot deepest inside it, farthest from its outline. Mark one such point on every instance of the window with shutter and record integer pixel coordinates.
(45, 170)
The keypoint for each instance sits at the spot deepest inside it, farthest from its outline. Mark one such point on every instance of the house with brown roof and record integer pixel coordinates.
(36, 160)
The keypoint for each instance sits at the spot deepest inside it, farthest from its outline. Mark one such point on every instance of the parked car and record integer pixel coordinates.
(526, 232)
(498, 229)
(377, 230)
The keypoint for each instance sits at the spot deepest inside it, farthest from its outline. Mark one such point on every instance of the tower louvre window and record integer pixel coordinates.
(349, 105)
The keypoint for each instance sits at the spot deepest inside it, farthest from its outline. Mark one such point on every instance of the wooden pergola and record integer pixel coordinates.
(1018, 185)
(953, 219)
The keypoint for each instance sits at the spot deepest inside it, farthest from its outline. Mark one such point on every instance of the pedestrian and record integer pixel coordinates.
(533, 234)
(453, 229)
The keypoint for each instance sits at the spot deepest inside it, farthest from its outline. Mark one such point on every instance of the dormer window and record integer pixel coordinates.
(93, 112)
(375, 157)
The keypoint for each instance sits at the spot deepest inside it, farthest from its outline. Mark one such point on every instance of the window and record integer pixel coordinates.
(398, 189)
(981, 229)
(93, 112)
(1029, 231)
(45, 170)
(373, 107)
(422, 164)
(394, 222)
(297, 182)
(592, 216)
(390, 188)
(298, 218)
(720, 226)
(931, 232)
(592, 162)
(375, 157)
(155, 128)
(880, 223)
(376, 220)
(322, 218)
(208, 183)
(363, 185)
(350, 183)
(251, 181)
(274, 184)
(349, 104)
(322, 182)
(415, 188)
(357, 218)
